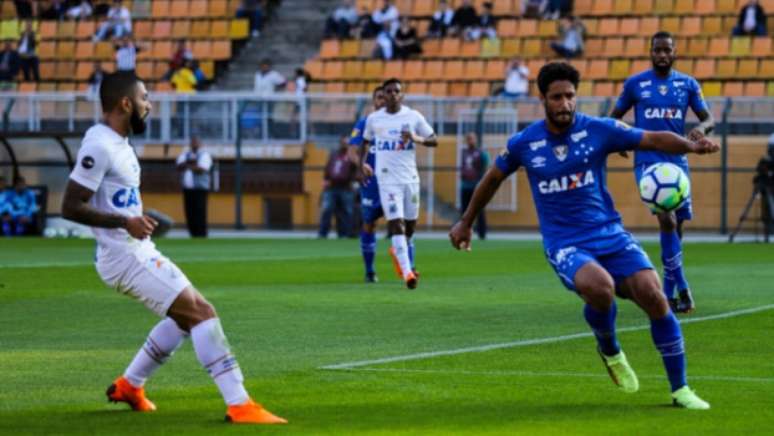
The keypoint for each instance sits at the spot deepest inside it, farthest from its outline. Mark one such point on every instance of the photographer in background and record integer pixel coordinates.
(764, 182)
(195, 165)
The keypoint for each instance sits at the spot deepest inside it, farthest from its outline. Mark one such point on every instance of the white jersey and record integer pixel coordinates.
(396, 162)
(108, 166)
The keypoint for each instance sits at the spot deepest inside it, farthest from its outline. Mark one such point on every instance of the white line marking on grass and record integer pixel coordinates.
(526, 342)
(554, 374)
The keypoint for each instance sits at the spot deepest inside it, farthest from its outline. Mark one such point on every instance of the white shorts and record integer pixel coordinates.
(146, 275)
(400, 201)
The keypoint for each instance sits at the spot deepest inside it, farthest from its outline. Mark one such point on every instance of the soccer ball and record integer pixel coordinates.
(664, 187)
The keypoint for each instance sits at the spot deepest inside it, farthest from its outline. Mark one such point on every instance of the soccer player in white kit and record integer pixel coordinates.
(396, 130)
(104, 192)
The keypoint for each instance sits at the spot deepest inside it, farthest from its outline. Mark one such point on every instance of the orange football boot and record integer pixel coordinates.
(251, 413)
(395, 262)
(122, 391)
(411, 281)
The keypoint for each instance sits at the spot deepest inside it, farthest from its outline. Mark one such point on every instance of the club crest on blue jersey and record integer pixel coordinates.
(663, 89)
(566, 183)
(560, 151)
(126, 197)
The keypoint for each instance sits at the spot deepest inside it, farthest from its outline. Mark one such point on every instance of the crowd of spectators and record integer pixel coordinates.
(18, 207)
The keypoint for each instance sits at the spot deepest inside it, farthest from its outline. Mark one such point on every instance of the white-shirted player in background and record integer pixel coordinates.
(396, 130)
(104, 192)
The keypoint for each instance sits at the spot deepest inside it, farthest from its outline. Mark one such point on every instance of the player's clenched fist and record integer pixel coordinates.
(140, 227)
(705, 146)
(460, 235)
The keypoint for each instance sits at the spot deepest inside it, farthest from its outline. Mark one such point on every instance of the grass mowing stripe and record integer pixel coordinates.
(555, 374)
(523, 343)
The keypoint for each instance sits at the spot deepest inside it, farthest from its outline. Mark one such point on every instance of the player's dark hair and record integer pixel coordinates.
(390, 81)
(556, 71)
(661, 34)
(116, 86)
(377, 89)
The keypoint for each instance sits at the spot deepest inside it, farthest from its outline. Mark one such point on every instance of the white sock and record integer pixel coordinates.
(161, 343)
(214, 354)
(401, 252)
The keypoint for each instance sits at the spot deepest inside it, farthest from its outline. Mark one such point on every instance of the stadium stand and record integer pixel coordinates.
(616, 46)
(67, 53)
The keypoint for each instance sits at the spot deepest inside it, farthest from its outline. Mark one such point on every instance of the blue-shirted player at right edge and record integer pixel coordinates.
(565, 157)
(661, 97)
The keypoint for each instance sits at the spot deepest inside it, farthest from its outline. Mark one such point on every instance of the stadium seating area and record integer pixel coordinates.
(67, 53)
(616, 46)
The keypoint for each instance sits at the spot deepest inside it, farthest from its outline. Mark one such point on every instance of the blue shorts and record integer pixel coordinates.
(619, 254)
(684, 212)
(370, 204)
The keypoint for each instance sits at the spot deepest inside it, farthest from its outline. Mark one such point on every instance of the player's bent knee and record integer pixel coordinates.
(595, 286)
(190, 308)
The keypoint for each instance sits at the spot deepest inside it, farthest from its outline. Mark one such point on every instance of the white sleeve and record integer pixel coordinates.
(421, 126)
(205, 161)
(92, 164)
(278, 79)
(180, 159)
(368, 131)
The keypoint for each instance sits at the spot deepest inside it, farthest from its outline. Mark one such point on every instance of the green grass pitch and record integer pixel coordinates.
(290, 307)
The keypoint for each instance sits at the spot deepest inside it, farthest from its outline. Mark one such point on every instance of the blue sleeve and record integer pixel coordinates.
(356, 137)
(625, 100)
(696, 99)
(509, 160)
(615, 135)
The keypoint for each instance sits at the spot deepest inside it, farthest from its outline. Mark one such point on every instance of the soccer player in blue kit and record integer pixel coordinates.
(661, 97)
(370, 205)
(585, 242)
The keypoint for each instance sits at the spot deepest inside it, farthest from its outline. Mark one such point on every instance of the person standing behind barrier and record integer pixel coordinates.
(337, 196)
(195, 164)
(474, 162)
(21, 209)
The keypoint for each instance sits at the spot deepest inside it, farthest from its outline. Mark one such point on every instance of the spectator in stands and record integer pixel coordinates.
(441, 21)
(195, 165)
(126, 54)
(406, 41)
(556, 9)
(387, 15)
(56, 10)
(251, 9)
(5, 203)
(118, 22)
(25, 9)
(21, 209)
(385, 46)
(752, 20)
(80, 11)
(486, 25)
(9, 67)
(342, 21)
(533, 8)
(473, 164)
(95, 79)
(184, 79)
(516, 80)
(465, 19)
(201, 79)
(27, 57)
(182, 54)
(570, 42)
(301, 81)
(338, 197)
(267, 81)
(365, 27)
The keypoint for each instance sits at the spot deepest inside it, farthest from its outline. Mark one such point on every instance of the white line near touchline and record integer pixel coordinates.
(526, 342)
(554, 374)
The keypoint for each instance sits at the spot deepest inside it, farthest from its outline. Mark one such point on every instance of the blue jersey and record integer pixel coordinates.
(567, 175)
(661, 104)
(356, 138)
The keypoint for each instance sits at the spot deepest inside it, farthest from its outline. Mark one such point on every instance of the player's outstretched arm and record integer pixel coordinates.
(76, 207)
(460, 233)
(365, 170)
(669, 142)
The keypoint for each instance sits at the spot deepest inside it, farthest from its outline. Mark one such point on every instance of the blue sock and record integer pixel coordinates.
(670, 256)
(669, 340)
(7, 228)
(368, 248)
(411, 251)
(603, 325)
(20, 228)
